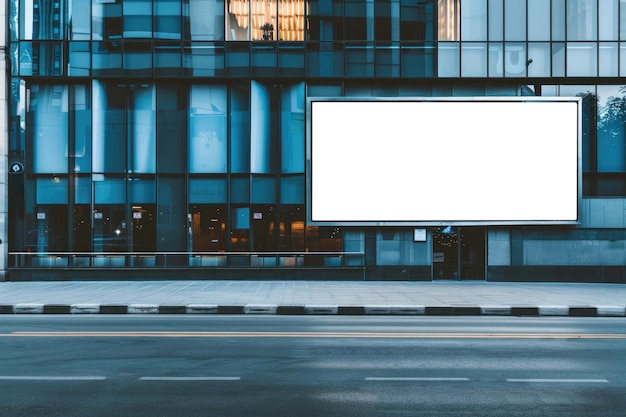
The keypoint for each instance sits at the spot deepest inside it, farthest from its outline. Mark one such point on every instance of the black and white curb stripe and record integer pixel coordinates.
(315, 309)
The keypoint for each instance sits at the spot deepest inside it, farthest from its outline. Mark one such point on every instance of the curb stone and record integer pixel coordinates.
(316, 309)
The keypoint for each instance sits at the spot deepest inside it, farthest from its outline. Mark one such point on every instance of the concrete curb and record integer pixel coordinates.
(315, 309)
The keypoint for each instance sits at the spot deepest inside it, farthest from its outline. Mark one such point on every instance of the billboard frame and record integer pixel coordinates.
(442, 222)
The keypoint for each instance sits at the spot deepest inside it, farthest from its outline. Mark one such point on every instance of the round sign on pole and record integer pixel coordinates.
(16, 168)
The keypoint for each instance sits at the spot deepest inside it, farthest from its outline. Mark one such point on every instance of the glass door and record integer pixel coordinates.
(459, 253)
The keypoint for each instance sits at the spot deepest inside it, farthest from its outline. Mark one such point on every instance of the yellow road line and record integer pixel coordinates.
(359, 335)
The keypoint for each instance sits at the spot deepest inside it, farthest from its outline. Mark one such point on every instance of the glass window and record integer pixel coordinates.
(109, 127)
(81, 231)
(448, 59)
(538, 59)
(206, 58)
(558, 20)
(539, 20)
(167, 58)
(608, 20)
(137, 58)
(496, 20)
(622, 59)
(80, 106)
(137, 17)
(52, 190)
(474, 20)
(207, 190)
(359, 20)
(109, 190)
(611, 135)
(141, 129)
(79, 16)
(167, 19)
(265, 20)
(514, 20)
(558, 59)
(240, 128)
(171, 127)
(172, 215)
(515, 61)
(204, 19)
(48, 120)
(582, 59)
(322, 23)
(262, 148)
(208, 225)
(292, 128)
(385, 12)
(496, 59)
(207, 129)
(292, 189)
(291, 237)
(622, 18)
(264, 190)
(41, 20)
(79, 63)
(416, 20)
(582, 20)
(608, 59)
(448, 20)
(106, 20)
(473, 59)
(240, 190)
(239, 228)
(264, 227)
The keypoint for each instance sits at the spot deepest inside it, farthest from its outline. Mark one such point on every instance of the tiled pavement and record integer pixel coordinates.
(313, 297)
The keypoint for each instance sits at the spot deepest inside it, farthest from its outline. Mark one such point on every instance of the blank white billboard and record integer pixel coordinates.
(442, 161)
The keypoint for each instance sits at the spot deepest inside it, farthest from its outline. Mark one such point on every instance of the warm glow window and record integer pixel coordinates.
(263, 20)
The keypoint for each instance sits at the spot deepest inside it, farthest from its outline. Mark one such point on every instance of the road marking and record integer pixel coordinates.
(556, 380)
(50, 378)
(189, 378)
(360, 335)
(414, 379)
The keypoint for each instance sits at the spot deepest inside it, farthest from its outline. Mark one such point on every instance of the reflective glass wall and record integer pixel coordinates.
(531, 38)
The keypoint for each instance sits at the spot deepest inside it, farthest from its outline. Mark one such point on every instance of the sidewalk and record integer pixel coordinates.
(313, 297)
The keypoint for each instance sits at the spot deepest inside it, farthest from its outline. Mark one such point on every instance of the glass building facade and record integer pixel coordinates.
(152, 136)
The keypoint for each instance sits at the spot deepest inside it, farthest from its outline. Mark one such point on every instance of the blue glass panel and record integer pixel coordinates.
(264, 190)
(539, 22)
(141, 129)
(582, 59)
(52, 190)
(49, 130)
(611, 135)
(292, 190)
(474, 20)
(292, 128)
(608, 59)
(207, 129)
(473, 59)
(109, 190)
(448, 60)
(207, 190)
(540, 55)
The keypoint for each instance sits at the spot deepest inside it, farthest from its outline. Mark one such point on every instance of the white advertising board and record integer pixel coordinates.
(444, 161)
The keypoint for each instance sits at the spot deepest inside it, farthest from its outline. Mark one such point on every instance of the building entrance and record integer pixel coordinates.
(459, 252)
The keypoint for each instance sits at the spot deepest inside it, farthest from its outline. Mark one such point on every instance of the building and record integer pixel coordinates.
(166, 138)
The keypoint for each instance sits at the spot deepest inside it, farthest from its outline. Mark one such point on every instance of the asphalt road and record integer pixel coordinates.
(311, 366)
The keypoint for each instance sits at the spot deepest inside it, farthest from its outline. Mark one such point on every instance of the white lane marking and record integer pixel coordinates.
(50, 378)
(414, 379)
(189, 378)
(555, 380)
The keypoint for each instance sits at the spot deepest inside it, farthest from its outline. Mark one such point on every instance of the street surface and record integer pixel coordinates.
(100, 365)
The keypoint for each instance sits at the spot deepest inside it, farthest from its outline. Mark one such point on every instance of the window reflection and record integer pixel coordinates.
(265, 20)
